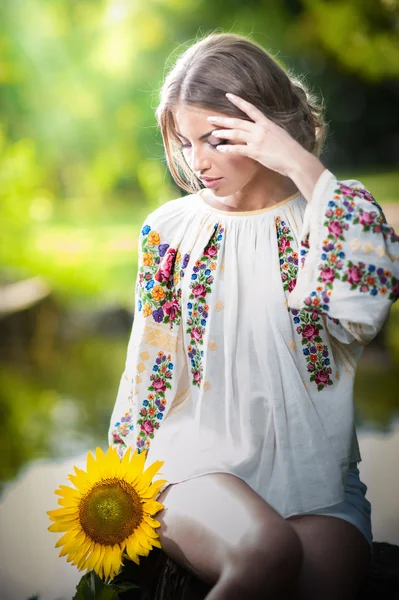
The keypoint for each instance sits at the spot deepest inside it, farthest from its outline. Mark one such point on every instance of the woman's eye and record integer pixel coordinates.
(221, 142)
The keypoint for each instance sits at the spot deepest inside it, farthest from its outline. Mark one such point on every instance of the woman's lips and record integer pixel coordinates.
(211, 183)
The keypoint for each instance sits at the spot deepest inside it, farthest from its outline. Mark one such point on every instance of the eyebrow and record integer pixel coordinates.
(202, 137)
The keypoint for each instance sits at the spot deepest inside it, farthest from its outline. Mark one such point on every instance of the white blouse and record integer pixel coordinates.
(247, 332)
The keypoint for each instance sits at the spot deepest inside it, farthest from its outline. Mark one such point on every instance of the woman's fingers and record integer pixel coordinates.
(231, 123)
(251, 110)
(231, 134)
(234, 149)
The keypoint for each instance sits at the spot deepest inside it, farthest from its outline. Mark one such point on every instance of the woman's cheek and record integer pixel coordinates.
(240, 162)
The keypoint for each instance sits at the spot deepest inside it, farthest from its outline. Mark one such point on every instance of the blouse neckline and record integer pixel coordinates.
(245, 213)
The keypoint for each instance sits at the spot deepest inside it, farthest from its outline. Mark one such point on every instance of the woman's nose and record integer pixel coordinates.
(199, 160)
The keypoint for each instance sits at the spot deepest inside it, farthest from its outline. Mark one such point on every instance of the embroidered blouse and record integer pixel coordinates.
(247, 332)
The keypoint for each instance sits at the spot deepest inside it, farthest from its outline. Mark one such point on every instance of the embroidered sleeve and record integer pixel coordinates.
(156, 369)
(348, 268)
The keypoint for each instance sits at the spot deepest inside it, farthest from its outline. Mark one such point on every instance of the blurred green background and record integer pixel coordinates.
(82, 163)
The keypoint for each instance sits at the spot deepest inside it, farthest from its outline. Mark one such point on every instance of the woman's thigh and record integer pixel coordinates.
(210, 520)
(335, 557)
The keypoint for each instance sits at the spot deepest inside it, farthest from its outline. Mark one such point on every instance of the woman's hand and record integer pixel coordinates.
(262, 140)
(269, 144)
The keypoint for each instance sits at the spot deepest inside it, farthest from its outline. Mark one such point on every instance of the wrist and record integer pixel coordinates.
(305, 171)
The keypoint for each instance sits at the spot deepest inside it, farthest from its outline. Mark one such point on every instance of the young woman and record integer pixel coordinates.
(255, 296)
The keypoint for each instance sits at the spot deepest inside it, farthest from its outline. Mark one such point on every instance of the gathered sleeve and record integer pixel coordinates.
(156, 370)
(349, 260)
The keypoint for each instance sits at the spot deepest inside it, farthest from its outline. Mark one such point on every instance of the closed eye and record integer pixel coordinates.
(222, 141)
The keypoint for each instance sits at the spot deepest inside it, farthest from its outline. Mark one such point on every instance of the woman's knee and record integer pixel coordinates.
(217, 525)
(270, 557)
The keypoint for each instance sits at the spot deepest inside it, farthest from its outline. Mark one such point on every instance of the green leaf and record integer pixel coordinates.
(91, 587)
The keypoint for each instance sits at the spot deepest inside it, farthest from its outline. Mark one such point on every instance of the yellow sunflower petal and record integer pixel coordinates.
(127, 456)
(80, 482)
(99, 566)
(92, 468)
(148, 475)
(117, 561)
(66, 550)
(152, 507)
(81, 564)
(76, 545)
(139, 548)
(151, 522)
(61, 527)
(67, 538)
(153, 489)
(113, 462)
(62, 512)
(131, 553)
(70, 502)
(100, 456)
(136, 467)
(147, 529)
(156, 542)
(65, 519)
(141, 537)
(125, 465)
(107, 563)
(94, 556)
(66, 490)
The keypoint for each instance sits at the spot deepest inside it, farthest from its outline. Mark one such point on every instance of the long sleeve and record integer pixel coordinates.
(156, 369)
(349, 267)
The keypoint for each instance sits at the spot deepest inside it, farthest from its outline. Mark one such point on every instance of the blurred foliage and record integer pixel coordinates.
(81, 159)
(60, 403)
(361, 35)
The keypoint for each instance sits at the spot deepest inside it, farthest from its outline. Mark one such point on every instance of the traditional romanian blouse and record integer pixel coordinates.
(247, 332)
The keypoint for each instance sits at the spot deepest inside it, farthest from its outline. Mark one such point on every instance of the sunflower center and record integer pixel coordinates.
(110, 511)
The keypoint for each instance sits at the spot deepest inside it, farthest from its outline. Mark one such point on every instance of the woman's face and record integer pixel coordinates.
(198, 147)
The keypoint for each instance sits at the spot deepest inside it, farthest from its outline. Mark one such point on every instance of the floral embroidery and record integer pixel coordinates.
(389, 234)
(308, 325)
(369, 219)
(368, 279)
(122, 429)
(160, 273)
(315, 352)
(304, 248)
(288, 258)
(200, 286)
(152, 408)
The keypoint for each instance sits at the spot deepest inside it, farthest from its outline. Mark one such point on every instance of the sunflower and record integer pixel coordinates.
(109, 516)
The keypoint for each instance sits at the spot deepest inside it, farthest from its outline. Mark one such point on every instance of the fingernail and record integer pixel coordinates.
(212, 118)
(230, 95)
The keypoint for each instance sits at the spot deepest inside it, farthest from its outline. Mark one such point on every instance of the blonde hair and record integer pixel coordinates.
(223, 62)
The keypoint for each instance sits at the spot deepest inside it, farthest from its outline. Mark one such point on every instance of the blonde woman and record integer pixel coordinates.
(255, 296)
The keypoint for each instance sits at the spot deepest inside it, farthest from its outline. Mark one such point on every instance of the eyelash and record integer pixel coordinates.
(184, 146)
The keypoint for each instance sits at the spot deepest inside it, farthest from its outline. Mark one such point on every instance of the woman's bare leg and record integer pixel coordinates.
(217, 527)
(336, 558)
